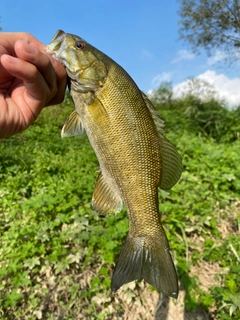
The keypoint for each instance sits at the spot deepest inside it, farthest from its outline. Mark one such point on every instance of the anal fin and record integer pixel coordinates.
(105, 200)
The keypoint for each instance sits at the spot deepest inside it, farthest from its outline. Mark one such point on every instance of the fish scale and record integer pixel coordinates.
(135, 158)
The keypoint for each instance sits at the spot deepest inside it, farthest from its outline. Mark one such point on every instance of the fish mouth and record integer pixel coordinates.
(55, 47)
(59, 35)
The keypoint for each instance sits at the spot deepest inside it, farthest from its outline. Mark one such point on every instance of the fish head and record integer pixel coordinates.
(86, 70)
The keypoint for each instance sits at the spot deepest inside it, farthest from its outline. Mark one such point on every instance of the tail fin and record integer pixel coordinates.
(146, 258)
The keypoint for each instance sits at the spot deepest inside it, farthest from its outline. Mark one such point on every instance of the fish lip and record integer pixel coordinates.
(59, 35)
(55, 46)
(55, 52)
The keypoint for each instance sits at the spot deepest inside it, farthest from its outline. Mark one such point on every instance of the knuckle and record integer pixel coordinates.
(25, 36)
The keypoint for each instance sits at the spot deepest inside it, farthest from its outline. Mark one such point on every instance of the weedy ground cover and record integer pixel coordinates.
(57, 254)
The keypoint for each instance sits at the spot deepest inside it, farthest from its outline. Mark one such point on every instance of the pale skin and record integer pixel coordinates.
(30, 79)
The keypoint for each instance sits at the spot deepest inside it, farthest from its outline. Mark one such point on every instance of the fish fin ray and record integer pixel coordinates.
(104, 199)
(171, 160)
(171, 164)
(73, 126)
(158, 121)
(149, 259)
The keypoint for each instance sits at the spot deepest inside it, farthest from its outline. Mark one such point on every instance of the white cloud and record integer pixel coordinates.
(218, 56)
(164, 76)
(146, 54)
(227, 89)
(183, 55)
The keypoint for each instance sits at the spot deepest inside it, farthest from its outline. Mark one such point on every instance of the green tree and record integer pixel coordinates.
(211, 25)
(163, 94)
(199, 88)
(198, 110)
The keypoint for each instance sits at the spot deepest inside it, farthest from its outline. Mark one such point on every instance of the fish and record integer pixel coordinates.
(135, 158)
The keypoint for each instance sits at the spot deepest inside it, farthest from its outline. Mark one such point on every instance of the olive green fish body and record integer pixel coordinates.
(135, 158)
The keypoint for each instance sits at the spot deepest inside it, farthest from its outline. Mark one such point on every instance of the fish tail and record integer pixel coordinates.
(146, 258)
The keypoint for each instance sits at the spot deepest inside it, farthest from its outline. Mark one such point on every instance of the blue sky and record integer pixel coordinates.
(142, 36)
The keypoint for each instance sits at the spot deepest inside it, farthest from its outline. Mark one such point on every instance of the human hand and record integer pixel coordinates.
(30, 79)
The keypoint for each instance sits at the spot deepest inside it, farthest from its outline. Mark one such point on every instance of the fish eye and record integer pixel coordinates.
(80, 45)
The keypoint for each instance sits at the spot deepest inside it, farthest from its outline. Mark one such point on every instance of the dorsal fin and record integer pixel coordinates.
(171, 160)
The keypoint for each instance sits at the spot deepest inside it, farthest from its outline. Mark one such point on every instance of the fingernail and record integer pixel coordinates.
(29, 48)
(9, 59)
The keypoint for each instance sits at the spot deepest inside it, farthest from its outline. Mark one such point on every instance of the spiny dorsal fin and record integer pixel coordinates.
(171, 160)
(104, 199)
(73, 126)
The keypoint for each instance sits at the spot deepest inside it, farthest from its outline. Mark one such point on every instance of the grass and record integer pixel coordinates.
(57, 254)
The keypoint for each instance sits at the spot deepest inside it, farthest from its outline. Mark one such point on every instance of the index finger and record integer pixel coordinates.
(8, 40)
(40, 61)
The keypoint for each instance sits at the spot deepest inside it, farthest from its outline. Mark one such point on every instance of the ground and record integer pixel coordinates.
(148, 305)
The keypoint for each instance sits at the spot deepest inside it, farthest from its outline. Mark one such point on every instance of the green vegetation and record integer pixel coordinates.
(57, 254)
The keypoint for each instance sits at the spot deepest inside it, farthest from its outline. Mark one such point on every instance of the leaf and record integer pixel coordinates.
(32, 262)
(232, 309)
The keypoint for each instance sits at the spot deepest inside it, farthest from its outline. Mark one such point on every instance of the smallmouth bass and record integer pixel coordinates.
(126, 133)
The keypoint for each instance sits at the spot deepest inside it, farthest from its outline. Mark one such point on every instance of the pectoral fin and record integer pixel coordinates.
(73, 126)
(104, 199)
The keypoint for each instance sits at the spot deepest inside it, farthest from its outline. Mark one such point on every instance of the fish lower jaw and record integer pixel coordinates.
(81, 87)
